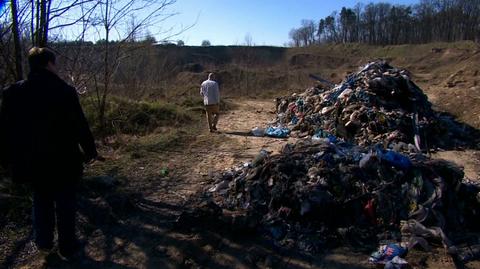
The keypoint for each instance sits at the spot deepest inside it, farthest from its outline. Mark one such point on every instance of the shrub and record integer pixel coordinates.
(135, 117)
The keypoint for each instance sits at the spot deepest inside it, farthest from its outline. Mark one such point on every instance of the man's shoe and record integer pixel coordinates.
(43, 250)
(44, 247)
(73, 253)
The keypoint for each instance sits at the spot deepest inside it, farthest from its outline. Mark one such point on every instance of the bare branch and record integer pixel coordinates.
(82, 18)
(62, 10)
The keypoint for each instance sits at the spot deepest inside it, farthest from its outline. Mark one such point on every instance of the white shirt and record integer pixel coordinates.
(210, 92)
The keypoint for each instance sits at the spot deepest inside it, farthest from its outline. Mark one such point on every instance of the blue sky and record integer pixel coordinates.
(2, 4)
(227, 22)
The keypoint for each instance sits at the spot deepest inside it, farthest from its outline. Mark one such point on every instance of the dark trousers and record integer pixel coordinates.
(49, 205)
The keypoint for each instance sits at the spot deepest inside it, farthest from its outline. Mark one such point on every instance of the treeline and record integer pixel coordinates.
(387, 24)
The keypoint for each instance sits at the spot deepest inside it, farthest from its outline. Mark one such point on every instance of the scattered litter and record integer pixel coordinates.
(257, 131)
(164, 172)
(278, 132)
(469, 253)
(387, 253)
(396, 263)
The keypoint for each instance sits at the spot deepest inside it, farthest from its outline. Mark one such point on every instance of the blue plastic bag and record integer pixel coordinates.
(294, 120)
(332, 138)
(277, 132)
(319, 134)
(397, 160)
(387, 253)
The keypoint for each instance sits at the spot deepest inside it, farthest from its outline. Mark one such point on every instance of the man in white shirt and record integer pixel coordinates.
(211, 99)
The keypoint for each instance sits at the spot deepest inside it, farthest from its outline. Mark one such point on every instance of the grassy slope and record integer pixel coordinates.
(447, 72)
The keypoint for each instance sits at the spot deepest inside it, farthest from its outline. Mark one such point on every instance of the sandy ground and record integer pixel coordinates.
(468, 159)
(141, 232)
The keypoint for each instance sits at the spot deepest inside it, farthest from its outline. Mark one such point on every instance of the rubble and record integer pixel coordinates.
(390, 253)
(316, 192)
(361, 176)
(378, 104)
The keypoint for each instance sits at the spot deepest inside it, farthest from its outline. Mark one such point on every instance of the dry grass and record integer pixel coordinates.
(124, 116)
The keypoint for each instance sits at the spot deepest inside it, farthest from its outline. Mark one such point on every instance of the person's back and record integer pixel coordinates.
(211, 99)
(210, 92)
(42, 126)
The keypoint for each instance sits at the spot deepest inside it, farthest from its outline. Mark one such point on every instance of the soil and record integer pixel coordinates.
(142, 223)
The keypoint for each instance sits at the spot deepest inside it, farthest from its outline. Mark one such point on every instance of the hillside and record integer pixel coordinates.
(447, 72)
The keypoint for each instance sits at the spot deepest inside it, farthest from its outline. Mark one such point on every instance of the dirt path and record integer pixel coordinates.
(135, 226)
(233, 144)
(468, 159)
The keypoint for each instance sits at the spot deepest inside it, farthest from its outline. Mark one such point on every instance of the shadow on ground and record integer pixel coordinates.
(126, 230)
(248, 133)
(452, 134)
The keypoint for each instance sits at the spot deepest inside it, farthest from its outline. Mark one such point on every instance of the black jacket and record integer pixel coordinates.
(42, 126)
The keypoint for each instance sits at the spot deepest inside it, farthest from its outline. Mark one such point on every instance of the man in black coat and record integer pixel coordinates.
(45, 139)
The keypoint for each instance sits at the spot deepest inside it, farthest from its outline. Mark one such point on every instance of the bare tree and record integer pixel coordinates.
(28, 23)
(320, 30)
(330, 28)
(112, 18)
(347, 24)
(16, 41)
(7, 73)
(305, 35)
(308, 30)
(47, 15)
(295, 36)
(248, 40)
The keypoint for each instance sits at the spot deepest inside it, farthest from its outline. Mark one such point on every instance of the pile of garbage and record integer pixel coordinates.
(317, 192)
(359, 175)
(378, 104)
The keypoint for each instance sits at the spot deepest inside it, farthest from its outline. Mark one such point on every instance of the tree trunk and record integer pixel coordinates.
(16, 41)
(106, 79)
(36, 34)
(46, 23)
(32, 22)
(42, 41)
